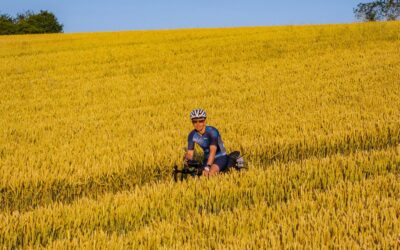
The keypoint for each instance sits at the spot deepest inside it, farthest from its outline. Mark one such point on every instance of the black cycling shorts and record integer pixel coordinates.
(222, 162)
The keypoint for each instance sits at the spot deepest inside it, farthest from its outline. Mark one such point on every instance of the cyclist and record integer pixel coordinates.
(208, 138)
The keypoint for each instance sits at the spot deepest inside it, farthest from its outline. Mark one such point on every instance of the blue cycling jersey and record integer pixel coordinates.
(210, 137)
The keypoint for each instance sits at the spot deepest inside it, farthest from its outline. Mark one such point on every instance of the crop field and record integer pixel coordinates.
(91, 125)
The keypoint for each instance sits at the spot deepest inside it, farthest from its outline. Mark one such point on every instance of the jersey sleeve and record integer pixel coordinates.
(190, 141)
(214, 137)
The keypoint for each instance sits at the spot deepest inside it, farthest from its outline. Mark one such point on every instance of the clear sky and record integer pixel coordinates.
(102, 15)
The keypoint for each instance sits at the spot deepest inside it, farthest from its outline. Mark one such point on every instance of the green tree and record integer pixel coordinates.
(43, 22)
(23, 26)
(7, 25)
(378, 10)
(30, 23)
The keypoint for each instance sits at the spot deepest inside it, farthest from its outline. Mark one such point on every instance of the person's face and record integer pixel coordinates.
(199, 124)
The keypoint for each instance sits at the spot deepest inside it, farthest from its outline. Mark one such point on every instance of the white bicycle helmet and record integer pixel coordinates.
(198, 113)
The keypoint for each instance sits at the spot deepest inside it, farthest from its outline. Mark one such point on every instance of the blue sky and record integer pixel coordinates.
(101, 15)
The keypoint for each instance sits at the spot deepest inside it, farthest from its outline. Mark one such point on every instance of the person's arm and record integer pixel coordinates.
(211, 157)
(213, 147)
(190, 149)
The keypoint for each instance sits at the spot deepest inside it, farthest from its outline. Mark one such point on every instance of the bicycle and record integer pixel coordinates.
(195, 168)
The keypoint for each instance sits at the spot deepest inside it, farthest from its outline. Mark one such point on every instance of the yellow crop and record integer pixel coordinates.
(92, 124)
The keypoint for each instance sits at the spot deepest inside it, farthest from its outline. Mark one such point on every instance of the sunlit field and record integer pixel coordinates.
(91, 125)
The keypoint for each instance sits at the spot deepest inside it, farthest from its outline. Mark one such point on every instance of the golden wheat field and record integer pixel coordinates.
(91, 125)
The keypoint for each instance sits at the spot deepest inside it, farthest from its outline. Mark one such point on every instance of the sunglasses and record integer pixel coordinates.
(197, 121)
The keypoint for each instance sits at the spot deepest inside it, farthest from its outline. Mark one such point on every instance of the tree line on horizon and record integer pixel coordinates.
(30, 23)
(46, 22)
